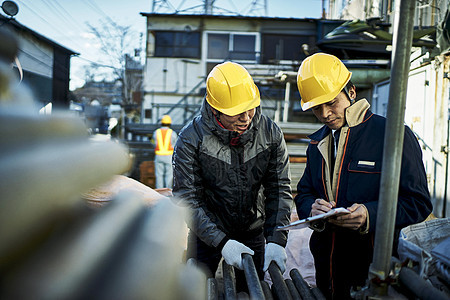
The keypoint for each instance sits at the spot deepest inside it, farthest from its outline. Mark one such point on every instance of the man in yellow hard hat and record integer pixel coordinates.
(164, 139)
(231, 169)
(343, 169)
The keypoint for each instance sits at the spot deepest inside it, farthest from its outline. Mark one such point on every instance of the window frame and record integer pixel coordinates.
(231, 35)
(176, 48)
(266, 39)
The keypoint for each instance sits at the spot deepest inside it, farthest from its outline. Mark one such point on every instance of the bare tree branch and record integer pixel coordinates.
(116, 41)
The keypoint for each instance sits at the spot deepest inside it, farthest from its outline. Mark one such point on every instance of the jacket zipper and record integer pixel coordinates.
(240, 155)
(337, 192)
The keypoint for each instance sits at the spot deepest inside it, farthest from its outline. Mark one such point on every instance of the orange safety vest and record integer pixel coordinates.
(163, 145)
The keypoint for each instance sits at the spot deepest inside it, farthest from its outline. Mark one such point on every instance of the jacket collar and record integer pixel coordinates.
(226, 135)
(354, 115)
(357, 113)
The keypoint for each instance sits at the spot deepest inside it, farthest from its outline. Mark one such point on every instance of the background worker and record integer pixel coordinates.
(222, 159)
(164, 139)
(343, 169)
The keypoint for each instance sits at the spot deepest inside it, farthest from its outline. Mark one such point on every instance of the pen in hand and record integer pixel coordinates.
(321, 206)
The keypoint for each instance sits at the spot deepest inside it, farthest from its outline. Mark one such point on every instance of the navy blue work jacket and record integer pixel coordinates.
(342, 256)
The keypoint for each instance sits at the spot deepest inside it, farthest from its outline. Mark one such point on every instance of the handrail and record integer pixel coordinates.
(190, 93)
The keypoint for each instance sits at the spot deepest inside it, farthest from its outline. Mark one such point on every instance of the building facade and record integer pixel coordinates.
(44, 65)
(182, 49)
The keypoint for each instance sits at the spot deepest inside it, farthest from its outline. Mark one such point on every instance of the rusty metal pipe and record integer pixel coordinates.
(229, 282)
(35, 130)
(317, 293)
(42, 182)
(9, 46)
(148, 265)
(251, 276)
(301, 285)
(418, 286)
(266, 289)
(279, 287)
(212, 293)
(45, 163)
(65, 266)
(292, 289)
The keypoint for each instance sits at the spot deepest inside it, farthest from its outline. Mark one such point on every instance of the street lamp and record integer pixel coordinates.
(10, 8)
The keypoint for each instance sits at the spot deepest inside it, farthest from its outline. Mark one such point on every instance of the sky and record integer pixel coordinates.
(65, 21)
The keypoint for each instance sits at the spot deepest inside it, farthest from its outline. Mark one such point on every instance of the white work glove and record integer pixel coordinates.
(276, 253)
(232, 253)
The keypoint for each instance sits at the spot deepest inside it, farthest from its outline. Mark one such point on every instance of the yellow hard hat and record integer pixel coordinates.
(320, 78)
(230, 89)
(166, 120)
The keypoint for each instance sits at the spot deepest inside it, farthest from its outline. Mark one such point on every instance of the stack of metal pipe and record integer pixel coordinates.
(52, 244)
(294, 288)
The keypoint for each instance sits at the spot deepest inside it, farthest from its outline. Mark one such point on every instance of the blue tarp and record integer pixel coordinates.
(427, 243)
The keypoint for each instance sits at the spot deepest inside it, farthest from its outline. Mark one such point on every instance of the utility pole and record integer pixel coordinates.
(160, 6)
(323, 10)
(209, 7)
(258, 8)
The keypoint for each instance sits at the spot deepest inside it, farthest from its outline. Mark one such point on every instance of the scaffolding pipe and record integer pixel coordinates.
(286, 101)
(393, 145)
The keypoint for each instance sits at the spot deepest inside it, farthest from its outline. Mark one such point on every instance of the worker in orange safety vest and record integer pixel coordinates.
(164, 139)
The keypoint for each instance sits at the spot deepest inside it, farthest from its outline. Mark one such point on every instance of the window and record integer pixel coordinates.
(226, 46)
(218, 46)
(243, 47)
(177, 44)
(284, 47)
(148, 113)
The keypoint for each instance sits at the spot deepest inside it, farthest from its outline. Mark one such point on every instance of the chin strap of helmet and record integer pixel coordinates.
(216, 115)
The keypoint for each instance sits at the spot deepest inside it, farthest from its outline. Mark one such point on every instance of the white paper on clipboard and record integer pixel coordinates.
(299, 224)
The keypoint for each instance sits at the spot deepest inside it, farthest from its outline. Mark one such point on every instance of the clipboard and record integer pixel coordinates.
(299, 224)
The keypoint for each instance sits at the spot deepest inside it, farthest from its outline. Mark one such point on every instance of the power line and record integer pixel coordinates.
(59, 10)
(38, 13)
(67, 13)
(94, 5)
(99, 64)
(50, 13)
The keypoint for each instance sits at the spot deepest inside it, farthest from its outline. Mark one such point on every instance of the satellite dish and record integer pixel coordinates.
(10, 8)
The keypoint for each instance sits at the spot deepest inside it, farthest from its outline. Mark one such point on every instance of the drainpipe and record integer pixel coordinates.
(393, 146)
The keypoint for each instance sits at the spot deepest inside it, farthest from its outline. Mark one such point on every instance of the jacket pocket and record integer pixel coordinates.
(363, 181)
(364, 166)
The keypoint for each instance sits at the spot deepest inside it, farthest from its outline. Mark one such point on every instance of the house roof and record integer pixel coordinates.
(20, 27)
(240, 17)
